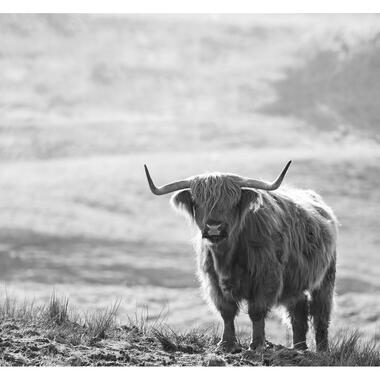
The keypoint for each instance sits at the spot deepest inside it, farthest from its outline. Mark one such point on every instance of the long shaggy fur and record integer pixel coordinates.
(215, 191)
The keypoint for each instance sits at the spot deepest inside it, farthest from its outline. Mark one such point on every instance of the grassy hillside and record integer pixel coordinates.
(54, 335)
(76, 228)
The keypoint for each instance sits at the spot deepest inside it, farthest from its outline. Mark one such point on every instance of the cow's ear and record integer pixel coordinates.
(250, 200)
(183, 201)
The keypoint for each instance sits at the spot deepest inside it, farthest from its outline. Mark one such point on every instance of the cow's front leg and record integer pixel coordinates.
(228, 341)
(228, 310)
(257, 317)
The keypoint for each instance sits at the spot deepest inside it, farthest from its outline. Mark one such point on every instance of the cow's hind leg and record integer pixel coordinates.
(320, 308)
(299, 313)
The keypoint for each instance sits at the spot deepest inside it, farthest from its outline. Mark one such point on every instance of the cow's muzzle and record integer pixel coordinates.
(214, 232)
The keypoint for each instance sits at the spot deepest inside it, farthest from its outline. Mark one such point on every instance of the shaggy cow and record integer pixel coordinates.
(263, 245)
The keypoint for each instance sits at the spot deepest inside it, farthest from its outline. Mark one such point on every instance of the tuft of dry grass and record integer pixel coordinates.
(58, 309)
(143, 322)
(192, 341)
(166, 341)
(349, 349)
(98, 323)
(27, 310)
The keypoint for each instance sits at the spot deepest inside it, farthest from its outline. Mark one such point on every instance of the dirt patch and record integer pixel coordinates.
(126, 346)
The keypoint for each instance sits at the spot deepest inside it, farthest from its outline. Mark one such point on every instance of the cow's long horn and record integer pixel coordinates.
(169, 188)
(257, 184)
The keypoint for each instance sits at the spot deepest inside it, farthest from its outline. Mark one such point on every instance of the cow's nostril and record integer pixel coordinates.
(214, 232)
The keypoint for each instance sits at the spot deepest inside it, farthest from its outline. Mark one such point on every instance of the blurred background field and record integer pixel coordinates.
(86, 100)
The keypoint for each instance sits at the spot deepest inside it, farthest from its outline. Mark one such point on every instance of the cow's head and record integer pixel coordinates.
(216, 202)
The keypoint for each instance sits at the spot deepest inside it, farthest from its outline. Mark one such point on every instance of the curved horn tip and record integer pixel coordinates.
(147, 172)
(277, 183)
(152, 187)
(285, 170)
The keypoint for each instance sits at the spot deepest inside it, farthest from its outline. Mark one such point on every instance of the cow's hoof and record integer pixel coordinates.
(301, 346)
(230, 347)
(257, 346)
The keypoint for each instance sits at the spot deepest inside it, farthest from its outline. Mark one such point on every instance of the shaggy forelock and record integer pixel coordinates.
(215, 191)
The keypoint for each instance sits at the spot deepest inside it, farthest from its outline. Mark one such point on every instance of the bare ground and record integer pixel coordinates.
(52, 335)
(128, 346)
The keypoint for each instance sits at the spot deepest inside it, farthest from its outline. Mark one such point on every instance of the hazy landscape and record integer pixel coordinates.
(85, 101)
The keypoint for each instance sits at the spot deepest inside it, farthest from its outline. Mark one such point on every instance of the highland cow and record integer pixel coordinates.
(263, 245)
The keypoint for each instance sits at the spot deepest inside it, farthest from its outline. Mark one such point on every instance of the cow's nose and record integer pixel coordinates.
(214, 228)
(214, 231)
